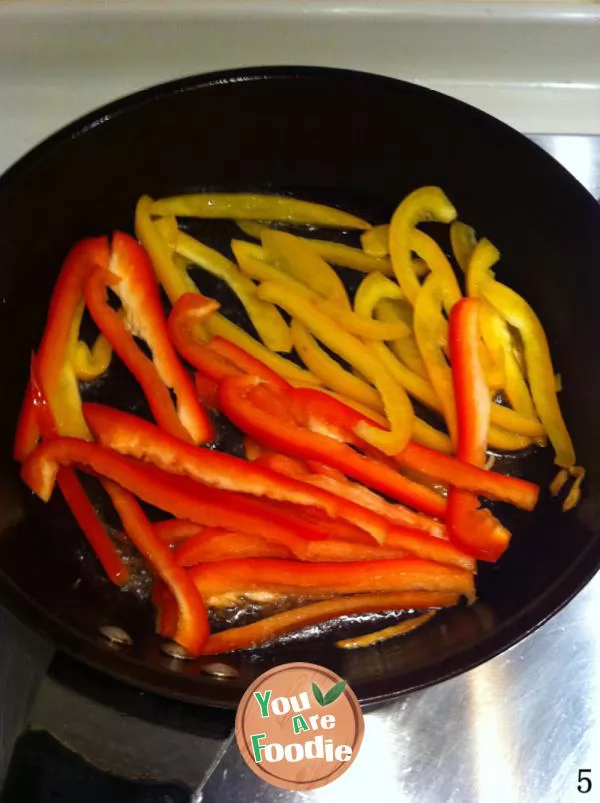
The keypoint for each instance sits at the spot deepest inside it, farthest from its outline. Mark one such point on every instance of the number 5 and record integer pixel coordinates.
(584, 784)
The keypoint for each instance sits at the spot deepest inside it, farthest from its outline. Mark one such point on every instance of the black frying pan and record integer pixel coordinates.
(334, 136)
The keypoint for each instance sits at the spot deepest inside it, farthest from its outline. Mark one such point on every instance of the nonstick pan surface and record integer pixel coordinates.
(362, 142)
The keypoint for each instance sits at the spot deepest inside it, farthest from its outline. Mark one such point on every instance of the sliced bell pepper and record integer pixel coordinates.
(137, 438)
(540, 373)
(322, 413)
(333, 375)
(469, 525)
(53, 402)
(401, 629)
(176, 282)
(167, 612)
(431, 253)
(398, 409)
(192, 627)
(28, 430)
(294, 577)
(90, 363)
(296, 258)
(463, 242)
(242, 206)
(207, 390)
(353, 492)
(405, 348)
(426, 203)
(246, 363)
(219, 357)
(179, 496)
(345, 256)
(431, 334)
(241, 403)
(271, 627)
(130, 276)
(172, 531)
(54, 364)
(266, 318)
(376, 241)
(214, 544)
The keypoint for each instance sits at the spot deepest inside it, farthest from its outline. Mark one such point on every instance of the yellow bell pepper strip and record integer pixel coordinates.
(90, 363)
(401, 629)
(431, 334)
(398, 408)
(371, 291)
(470, 526)
(334, 376)
(405, 348)
(514, 385)
(348, 320)
(295, 257)
(426, 203)
(519, 314)
(267, 320)
(271, 627)
(314, 579)
(463, 242)
(376, 240)
(344, 256)
(192, 629)
(247, 206)
(574, 494)
(176, 282)
(430, 252)
(169, 231)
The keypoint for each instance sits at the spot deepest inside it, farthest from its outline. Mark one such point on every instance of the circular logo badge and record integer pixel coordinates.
(299, 726)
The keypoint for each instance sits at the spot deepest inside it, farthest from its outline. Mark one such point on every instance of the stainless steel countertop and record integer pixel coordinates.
(517, 729)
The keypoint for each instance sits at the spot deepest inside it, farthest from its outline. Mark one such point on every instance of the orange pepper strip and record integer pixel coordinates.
(248, 636)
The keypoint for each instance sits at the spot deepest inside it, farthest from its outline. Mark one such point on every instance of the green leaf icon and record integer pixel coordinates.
(334, 692)
(318, 694)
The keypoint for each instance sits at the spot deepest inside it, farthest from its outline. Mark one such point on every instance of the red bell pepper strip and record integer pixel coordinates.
(192, 626)
(53, 401)
(137, 438)
(207, 390)
(353, 492)
(240, 403)
(179, 496)
(294, 577)
(271, 627)
(470, 526)
(219, 357)
(28, 430)
(75, 496)
(187, 315)
(213, 544)
(323, 413)
(131, 277)
(245, 363)
(167, 612)
(172, 531)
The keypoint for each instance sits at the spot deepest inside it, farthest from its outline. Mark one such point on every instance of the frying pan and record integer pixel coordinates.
(363, 142)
